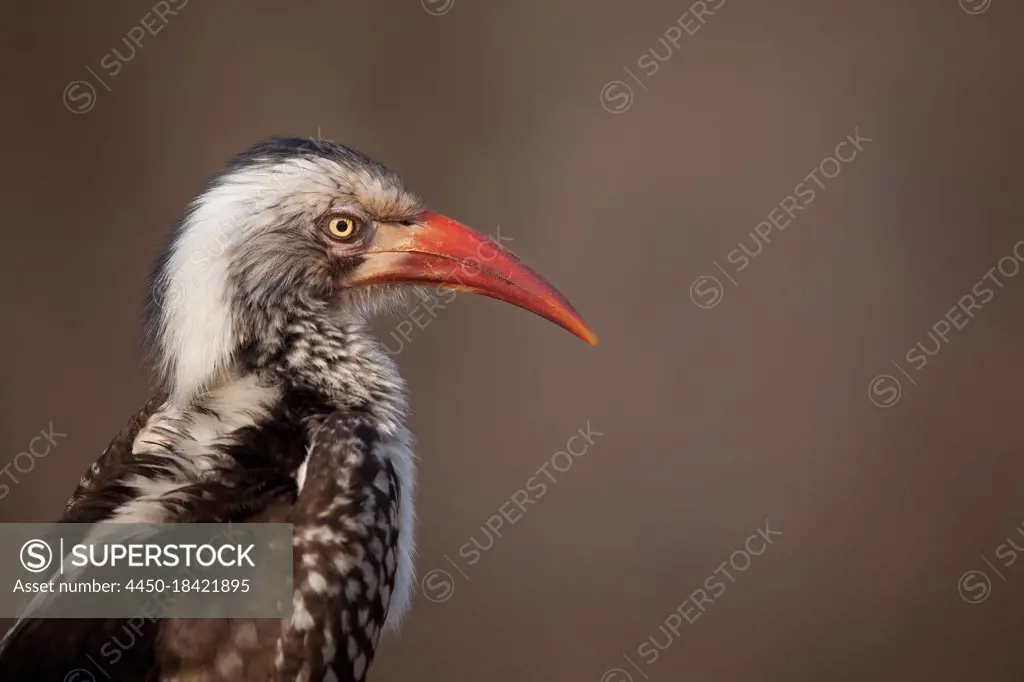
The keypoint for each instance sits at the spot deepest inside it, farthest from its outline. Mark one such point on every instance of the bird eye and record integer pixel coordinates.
(341, 228)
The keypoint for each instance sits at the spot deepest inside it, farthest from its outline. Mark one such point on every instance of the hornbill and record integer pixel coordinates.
(276, 403)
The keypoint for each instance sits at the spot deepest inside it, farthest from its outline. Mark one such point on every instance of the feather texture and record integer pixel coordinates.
(277, 404)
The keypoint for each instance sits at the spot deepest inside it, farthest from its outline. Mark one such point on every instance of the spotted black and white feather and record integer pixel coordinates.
(276, 404)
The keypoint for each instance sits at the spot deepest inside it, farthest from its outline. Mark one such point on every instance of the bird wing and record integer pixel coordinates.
(345, 546)
(34, 643)
(126, 649)
(54, 648)
(95, 496)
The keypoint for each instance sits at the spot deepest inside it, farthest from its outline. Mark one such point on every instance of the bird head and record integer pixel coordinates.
(295, 227)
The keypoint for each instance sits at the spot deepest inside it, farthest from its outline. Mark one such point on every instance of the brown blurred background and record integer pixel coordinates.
(714, 419)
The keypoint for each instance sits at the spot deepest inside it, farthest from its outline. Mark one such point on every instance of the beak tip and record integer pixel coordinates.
(442, 241)
(589, 336)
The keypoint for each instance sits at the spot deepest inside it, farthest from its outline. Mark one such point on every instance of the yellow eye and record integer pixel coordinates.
(341, 228)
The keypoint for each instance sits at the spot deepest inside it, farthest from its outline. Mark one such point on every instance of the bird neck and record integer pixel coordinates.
(336, 357)
(304, 346)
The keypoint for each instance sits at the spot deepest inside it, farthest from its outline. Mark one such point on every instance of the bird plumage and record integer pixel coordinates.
(276, 404)
(260, 379)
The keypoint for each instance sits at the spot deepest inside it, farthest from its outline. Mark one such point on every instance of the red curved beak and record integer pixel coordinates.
(437, 249)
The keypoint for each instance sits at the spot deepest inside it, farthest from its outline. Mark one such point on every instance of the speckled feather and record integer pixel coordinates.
(276, 404)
